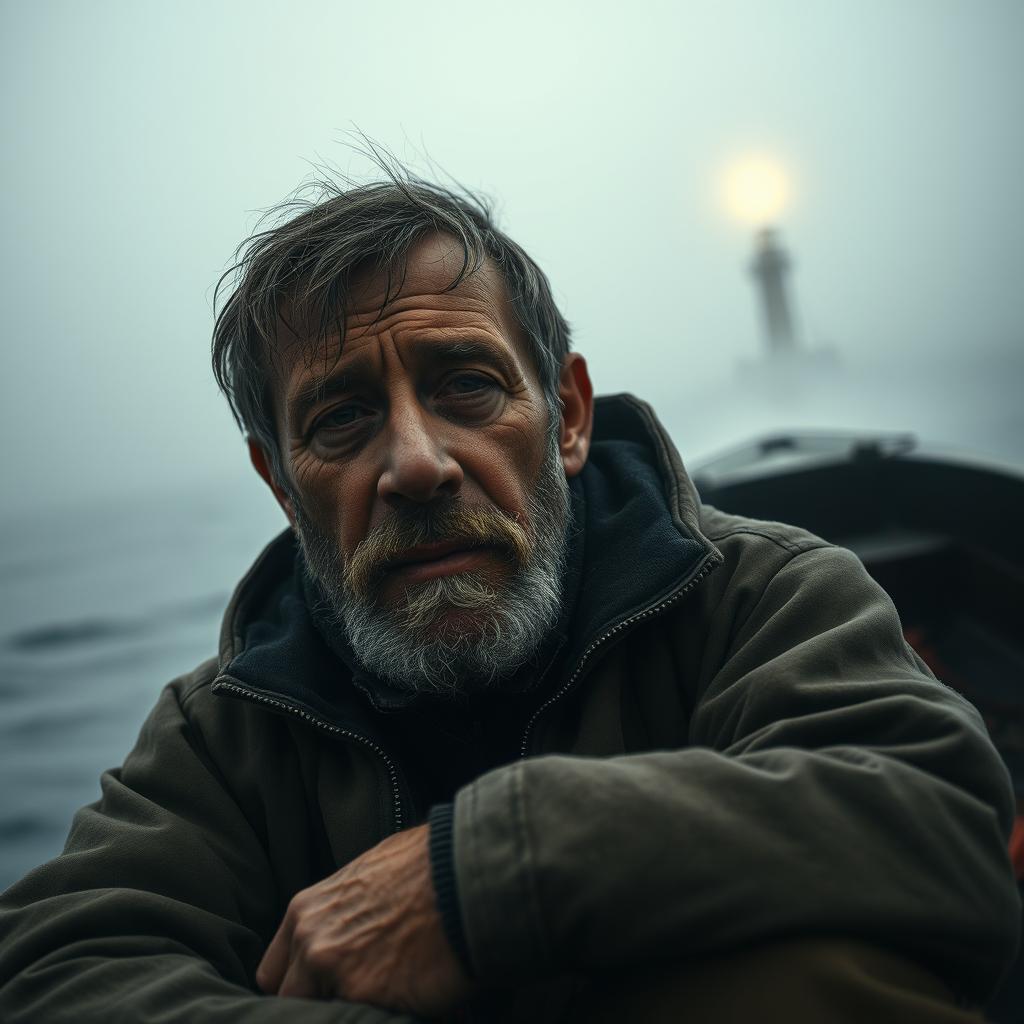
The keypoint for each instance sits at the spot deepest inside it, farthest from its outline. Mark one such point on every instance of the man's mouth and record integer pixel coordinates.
(445, 558)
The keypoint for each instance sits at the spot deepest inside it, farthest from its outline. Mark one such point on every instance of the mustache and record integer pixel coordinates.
(477, 525)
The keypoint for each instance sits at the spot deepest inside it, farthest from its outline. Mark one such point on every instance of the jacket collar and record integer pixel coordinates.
(643, 536)
(639, 543)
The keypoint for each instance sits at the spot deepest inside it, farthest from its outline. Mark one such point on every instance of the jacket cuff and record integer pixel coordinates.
(442, 871)
(498, 896)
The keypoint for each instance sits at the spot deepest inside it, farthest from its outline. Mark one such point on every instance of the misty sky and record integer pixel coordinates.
(142, 138)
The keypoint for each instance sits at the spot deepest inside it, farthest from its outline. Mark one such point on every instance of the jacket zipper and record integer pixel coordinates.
(328, 727)
(709, 563)
(335, 730)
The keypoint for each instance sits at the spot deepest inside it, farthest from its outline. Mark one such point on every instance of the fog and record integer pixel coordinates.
(142, 139)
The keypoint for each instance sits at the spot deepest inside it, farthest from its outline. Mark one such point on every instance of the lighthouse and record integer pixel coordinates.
(756, 191)
(770, 267)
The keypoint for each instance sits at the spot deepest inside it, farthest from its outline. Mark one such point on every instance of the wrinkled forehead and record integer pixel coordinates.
(422, 286)
(430, 268)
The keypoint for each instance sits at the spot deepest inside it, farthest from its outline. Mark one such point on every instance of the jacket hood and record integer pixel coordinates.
(633, 485)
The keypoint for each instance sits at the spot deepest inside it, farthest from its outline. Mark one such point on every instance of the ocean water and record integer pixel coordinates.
(99, 608)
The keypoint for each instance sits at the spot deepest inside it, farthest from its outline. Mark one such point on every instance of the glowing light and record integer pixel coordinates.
(755, 190)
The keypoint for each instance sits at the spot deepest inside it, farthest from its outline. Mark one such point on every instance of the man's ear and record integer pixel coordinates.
(260, 461)
(576, 396)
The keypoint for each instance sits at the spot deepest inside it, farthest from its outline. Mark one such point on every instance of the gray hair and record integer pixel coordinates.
(297, 274)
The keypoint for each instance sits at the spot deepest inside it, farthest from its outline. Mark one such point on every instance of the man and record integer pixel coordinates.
(507, 726)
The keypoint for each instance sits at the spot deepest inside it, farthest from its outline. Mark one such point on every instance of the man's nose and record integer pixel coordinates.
(417, 465)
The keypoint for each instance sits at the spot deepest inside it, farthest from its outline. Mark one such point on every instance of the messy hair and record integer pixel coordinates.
(296, 275)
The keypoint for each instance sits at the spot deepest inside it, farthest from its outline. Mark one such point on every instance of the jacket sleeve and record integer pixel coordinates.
(832, 785)
(159, 907)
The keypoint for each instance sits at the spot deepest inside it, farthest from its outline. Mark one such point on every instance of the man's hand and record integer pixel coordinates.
(370, 933)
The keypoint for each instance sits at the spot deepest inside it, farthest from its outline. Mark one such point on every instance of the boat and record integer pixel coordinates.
(942, 533)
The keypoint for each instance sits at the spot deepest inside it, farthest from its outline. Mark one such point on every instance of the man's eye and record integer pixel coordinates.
(470, 397)
(466, 384)
(341, 417)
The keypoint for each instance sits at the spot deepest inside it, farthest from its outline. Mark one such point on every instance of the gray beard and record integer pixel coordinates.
(409, 648)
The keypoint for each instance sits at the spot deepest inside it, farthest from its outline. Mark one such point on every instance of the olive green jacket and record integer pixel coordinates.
(740, 746)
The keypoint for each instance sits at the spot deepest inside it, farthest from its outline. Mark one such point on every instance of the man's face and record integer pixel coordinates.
(425, 479)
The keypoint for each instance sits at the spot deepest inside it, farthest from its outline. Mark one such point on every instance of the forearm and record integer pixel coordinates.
(572, 863)
(106, 954)
(97, 984)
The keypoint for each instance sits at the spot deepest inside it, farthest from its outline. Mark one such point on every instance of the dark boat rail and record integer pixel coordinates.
(845, 486)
